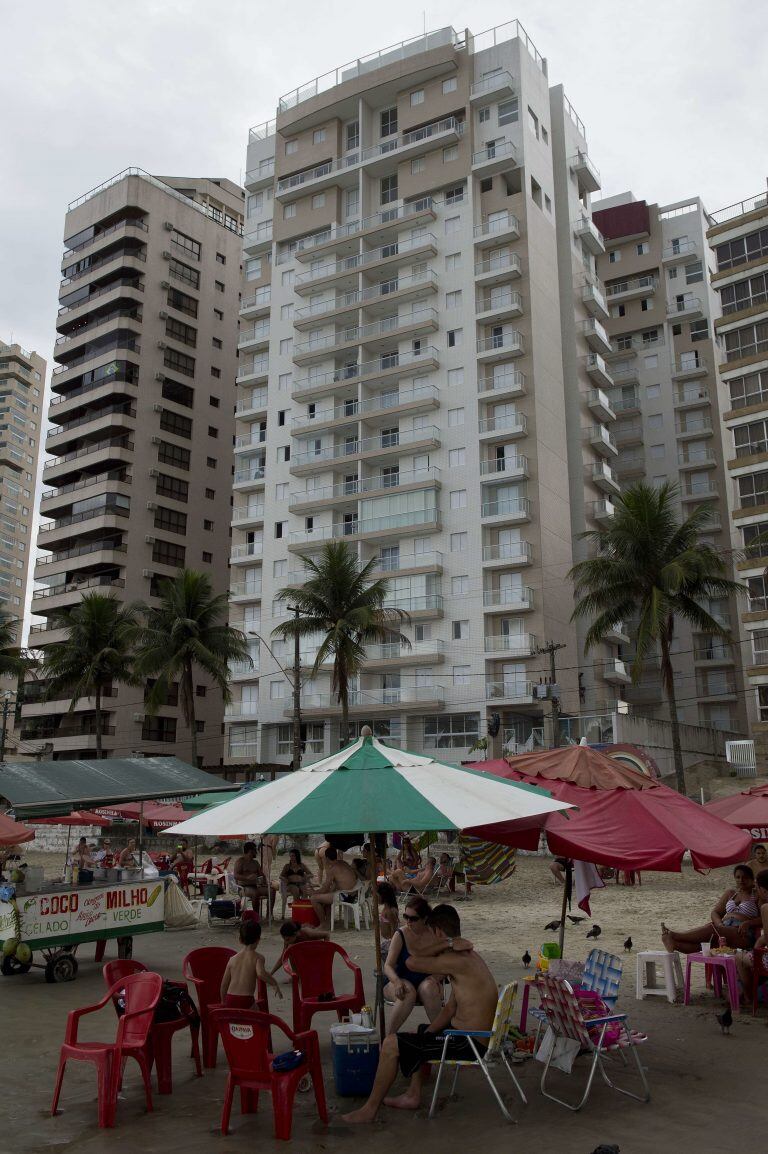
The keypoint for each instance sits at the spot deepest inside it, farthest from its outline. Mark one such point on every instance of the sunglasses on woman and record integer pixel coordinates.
(411, 917)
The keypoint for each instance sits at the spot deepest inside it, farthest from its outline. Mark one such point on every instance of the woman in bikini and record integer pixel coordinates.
(736, 917)
(296, 875)
(404, 986)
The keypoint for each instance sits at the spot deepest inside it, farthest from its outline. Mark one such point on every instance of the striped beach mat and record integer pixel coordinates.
(485, 862)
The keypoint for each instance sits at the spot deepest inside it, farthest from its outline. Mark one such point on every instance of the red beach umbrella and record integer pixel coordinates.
(76, 817)
(748, 810)
(13, 832)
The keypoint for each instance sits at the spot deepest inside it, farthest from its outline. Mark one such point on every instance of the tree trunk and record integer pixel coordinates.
(668, 680)
(189, 694)
(344, 699)
(99, 751)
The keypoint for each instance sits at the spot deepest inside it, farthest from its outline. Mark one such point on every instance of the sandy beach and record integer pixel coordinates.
(700, 1079)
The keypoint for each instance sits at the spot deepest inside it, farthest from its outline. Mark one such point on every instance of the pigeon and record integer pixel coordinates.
(725, 1019)
(572, 918)
(603, 1149)
(628, 944)
(526, 959)
(553, 925)
(595, 932)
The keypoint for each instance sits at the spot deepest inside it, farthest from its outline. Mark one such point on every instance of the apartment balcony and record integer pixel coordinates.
(53, 597)
(42, 635)
(427, 562)
(498, 269)
(254, 338)
(600, 406)
(247, 516)
(510, 467)
(596, 336)
(389, 367)
(99, 520)
(687, 309)
(722, 688)
(105, 453)
(421, 320)
(386, 444)
(511, 383)
(262, 175)
(507, 556)
(626, 403)
(630, 466)
(601, 439)
(357, 529)
(688, 369)
(594, 302)
(243, 710)
(514, 600)
(374, 701)
(375, 298)
(253, 372)
(249, 477)
(431, 651)
(343, 238)
(502, 305)
(585, 172)
(691, 396)
(105, 237)
(629, 289)
(438, 134)
(257, 304)
(509, 692)
(420, 399)
(628, 433)
(504, 226)
(90, 423)
(700, 427)
(258, 240)
(506, 511)
(498, 348)
(71, 347)
(628, 375)
(348, 492)
(64, 404)
(125, 347)
(128, 260)
(250, 442)
(87, 556)
(245, 591)
(122, 288)
(603, 511)
(698, 459)
(679, 251)
(615, 671)
(426, 607)
(604, 478)
(498, 84)
(249, 553)
(598, 370)
(346, 270)
(700, 491)
(494, 157)
(715, 652)
(252, 405)
(507, 426)
(618, 633)
(520, 645)
(585, 230)
(340, 173)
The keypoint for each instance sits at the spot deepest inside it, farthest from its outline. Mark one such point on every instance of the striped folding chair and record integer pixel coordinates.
(601, 1037)
(494, 1055)
(602, 975)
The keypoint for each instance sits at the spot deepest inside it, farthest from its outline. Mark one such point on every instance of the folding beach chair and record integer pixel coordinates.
(601, 1037)
(601, 976)
(484, 1060)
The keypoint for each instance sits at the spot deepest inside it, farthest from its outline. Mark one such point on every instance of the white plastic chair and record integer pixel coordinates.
(358, 908)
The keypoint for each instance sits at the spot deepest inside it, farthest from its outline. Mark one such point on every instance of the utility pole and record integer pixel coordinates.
(7, 698)
(296, 691)
(551, 648)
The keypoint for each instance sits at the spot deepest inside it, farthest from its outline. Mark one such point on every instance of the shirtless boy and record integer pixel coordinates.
(245, 970)
(472, 1006)
(339, 878)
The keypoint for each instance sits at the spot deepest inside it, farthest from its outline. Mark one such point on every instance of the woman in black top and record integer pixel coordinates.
(296, 875)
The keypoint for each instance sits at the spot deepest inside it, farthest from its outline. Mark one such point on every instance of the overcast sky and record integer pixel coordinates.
(672, 94)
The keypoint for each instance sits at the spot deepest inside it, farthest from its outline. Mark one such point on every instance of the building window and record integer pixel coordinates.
(461, 674)
(289, 211)
(643, 248)
(208, 558)
(456, 376)
(451, 224)
(179, 362)
(352, 131)
(460, 585)
(418, 164)
(451, 731)
(318, 200)
(160, 729)
(417, 97)
(211, 462)
(219, 286)
(173, 487)
(614, 256)
(216, 373)
(388, 121)
(458, 499)
(451, 153)
(450, 85)
(455, 417)
(457, 457)
(318, 136)
(276, 690)
(171, 422)
(388, 189)
(168, 553)
(459, 542)
(176, 299)
(182, 272)
(743, 249)
(178, 393)
(168, 454)
(291, 147)
(217, 343)
(186, 244)
(286, 346)
(460, 630)
(533, 123)
(170, 520)
(210, 494)
(454, 195)
(455, 338)
(694, 273)
(186, 334)
(453, 299)
(700, 330)
(219, 314)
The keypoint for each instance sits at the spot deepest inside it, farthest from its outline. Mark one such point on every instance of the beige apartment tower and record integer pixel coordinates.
(137, 482)
(663, 360)
(423, 375)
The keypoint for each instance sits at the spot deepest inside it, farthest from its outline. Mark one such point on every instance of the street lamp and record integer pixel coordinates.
(294, 681)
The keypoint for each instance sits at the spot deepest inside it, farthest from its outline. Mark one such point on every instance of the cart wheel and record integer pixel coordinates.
(12, 966)
(62, 967)
(125, 947)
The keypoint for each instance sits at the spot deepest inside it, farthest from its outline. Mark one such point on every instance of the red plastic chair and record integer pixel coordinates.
(204, 968)
(142, 993)
(310, 966)
(247, 1039)
(162, 1032)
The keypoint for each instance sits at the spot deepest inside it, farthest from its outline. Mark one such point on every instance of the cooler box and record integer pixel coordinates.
(303, 913)
(355, 1059)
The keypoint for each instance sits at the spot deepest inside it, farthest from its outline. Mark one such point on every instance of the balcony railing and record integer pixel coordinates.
(362, 260)
(507, 342)
(509, 690)
(516, 464)
(503, 151)
(512, 644)
(247, 512)
(506, 223)
(514, 598)
(510, 381)
(256, 401)
(89, 417)
(509, 264)
(109, 258)
(740, 208)
(509, 507)
(249, 336)
(449, 125)
(133, 222)
(309, 175)
(245, 589)
(86, 515)
(385, 363)
(632, 284)
(408, 520)
(365, 296)
(368, 444)
(81, 551)
(121, 282)
(382, 403)
(393, 649)
(361, 334)
(91, 447)
(516, 553)
(360, 698)
(509, 300)
(384, 217)
(87, 483)
(680, 248)
(491, 83)
(260, 299)
(351, 489)
(78, 587)
(130, 344)
(131, 314)
(253, 474)
(249, 549)
(81, 390)
(508, 423)
(265, 171)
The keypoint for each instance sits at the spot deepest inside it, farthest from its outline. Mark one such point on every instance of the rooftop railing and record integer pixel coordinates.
(740, 208)
(205, 209)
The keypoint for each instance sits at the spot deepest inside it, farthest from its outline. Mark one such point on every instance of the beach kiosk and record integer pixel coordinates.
(54, 920)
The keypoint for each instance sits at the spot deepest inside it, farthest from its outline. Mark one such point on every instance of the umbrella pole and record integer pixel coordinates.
(141, 831)
(66, 854)
(376, 934)
(564, 908)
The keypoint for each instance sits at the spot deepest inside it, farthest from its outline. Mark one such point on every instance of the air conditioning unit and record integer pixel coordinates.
(162, 345)
(146, 572)
(163, 315)
(165, 284)
(159, 376)
(156, 440)
(149, 539)
(157, 408)
(151, 506)
(138, 717)
(168, 225)
(166, 254)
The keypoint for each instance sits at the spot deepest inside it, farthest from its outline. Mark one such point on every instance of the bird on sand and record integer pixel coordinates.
(725, 1019)
(628, 944)
(553, 925)
(526, 959)
(572, 918)
(595, 932)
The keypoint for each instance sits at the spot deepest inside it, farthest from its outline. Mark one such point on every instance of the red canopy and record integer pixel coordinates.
(625, 819)
(154, 813)
(12, 832)
(76, 817)
(748, 810)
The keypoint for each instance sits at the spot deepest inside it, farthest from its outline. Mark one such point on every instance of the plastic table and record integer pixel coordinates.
(718, 966)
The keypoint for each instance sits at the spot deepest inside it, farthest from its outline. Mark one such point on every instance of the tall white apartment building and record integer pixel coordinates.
(422, 374)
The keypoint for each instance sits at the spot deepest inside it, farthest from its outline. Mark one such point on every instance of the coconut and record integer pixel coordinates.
(23, 953)
(10, 945)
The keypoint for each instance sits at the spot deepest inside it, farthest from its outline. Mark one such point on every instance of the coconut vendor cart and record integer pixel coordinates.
(42, 923)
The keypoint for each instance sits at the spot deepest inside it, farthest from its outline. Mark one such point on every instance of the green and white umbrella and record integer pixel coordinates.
(372, 787)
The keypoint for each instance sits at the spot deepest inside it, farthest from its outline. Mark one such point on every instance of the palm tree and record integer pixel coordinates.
(13, 663)
(96, 653)
(187, 630)
(651, 566)
(341, 601)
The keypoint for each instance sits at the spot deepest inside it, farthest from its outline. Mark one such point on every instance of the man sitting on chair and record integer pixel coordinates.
(404, 883)
(250, 876)
(340, 877)
(471, 1006)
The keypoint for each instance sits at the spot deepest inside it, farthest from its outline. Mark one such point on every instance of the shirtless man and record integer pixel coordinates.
(472, 1006)
(339, 878)
(250, 875)
(292, 933)
(417, 881)
(246, 970)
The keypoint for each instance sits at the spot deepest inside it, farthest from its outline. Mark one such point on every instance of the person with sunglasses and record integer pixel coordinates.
(405, 987)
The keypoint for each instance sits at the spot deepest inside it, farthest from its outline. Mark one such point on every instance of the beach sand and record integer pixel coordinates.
(705, 1086)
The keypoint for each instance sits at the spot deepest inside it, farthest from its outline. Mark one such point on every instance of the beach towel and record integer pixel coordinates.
(485, 862)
